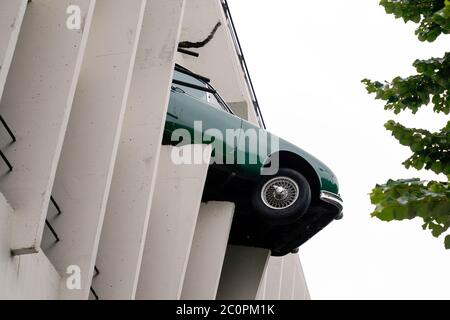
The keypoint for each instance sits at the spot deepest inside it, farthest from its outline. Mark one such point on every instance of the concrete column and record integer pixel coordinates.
(242, 273)
(23, 277)
(208, 251)
(288, 277)
(36, 104)
(262, 288)
(274, 278)
(126, 220)
(173, 217)
(11, 16)
(87, 160)
(284, 279)
(301, 291)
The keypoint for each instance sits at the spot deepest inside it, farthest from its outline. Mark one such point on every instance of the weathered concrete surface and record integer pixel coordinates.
(242, 273)
(173, 217)
(36, 103)
(127, 214)
(85, 169)
(208, 251)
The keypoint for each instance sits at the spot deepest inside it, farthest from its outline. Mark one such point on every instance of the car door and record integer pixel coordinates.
(207, 121)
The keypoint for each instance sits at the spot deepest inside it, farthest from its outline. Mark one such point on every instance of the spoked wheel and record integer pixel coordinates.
(279, 193)
(283, 198)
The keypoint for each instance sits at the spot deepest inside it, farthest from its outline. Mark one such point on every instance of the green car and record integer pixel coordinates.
(283, 195)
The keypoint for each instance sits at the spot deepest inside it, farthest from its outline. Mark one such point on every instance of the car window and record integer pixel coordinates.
(202, 95)
(211, 98)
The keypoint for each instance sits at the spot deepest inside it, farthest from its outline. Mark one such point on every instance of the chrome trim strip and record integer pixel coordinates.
(332, 199)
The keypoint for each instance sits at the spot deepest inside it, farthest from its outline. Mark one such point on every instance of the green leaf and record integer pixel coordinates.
(407, 199)
(376, 196)
(447, 242)
(431, 15)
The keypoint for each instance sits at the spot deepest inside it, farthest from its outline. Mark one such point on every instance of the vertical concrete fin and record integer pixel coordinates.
(301, 291)
(85, 169)
(208, 251)
(242, 273)
(36, 105)
(128, 210)
(288, 277)
(274, 278)
(173, 217)
(11, 17)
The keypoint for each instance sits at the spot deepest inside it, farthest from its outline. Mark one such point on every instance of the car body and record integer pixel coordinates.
(192, 102)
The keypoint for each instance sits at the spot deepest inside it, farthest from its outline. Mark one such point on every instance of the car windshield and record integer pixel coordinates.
(196, 93)
(197, 87)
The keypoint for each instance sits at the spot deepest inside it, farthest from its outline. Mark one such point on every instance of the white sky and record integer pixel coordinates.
(306, 59)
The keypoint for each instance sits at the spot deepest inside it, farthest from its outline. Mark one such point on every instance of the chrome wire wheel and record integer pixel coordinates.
(280, 193)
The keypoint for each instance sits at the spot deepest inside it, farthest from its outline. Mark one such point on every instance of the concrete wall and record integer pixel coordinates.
(87, 107)
(23, 277)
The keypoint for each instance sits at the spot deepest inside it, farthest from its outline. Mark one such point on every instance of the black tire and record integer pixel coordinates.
(293, 210)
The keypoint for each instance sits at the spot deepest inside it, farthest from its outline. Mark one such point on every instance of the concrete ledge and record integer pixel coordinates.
(24, 277)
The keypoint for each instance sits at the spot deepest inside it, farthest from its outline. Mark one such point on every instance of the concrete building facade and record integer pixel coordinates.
(91, 205)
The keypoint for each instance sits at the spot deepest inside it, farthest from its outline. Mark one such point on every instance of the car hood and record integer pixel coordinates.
(327, 178)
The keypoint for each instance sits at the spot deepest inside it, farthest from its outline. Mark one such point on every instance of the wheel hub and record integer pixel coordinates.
(280, 193)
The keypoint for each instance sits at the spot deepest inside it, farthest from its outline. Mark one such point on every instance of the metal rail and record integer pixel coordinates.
(238, 48)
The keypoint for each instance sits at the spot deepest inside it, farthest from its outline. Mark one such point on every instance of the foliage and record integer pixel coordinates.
(433, 16)
(408, 199)
(430, 84)
(430, 150)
